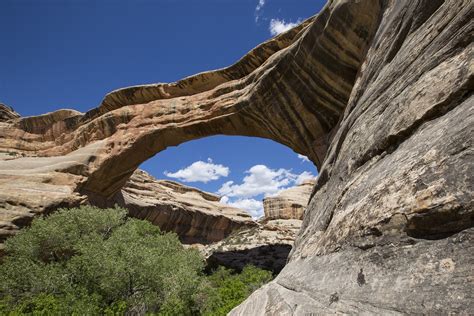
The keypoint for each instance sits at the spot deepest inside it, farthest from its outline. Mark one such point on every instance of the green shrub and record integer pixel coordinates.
(90, 261)
(223, 290)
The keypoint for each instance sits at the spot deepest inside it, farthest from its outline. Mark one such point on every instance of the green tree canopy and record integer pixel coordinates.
(91, 261)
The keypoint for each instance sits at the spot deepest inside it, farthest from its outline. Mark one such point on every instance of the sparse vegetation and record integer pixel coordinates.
(89, 261)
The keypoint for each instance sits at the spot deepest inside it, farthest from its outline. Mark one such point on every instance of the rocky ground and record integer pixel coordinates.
(268, 244)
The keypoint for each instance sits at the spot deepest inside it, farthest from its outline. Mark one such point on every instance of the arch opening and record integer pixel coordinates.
(234, 196)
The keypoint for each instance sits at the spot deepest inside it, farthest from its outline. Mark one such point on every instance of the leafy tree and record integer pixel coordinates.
(91, 261)
(99, 257)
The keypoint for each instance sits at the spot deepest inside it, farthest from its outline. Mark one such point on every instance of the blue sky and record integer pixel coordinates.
(70, 53)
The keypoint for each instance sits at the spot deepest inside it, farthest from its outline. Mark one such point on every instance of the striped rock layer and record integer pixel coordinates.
(292, 89)
(389, 227)
(377, 93)
(290, 203)
(195, 216)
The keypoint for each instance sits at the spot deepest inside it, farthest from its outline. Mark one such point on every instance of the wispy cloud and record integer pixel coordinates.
(200, 171)
(278, 26)
(303, 158)
(305, 175)
(258, 9)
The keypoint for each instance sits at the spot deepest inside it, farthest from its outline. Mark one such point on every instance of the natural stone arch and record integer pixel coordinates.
(392, 208)
(291, 89)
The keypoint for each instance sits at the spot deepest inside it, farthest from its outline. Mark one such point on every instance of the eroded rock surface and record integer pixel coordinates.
(377, 93)
(290, 203)
(266, 246)
(7, 113)
(196, 216)
(388, 230)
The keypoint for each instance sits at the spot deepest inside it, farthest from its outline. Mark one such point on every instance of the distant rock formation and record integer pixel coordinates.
(290, 203)
(377, 93)
(266, 246)
(196, 216)
(7, 113)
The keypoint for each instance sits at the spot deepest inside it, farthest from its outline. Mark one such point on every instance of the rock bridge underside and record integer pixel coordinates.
(378, 94)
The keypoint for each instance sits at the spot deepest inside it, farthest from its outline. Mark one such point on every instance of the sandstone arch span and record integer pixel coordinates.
(389, 228)
(291, 89)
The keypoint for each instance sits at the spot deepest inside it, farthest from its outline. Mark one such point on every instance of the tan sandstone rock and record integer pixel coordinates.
(377, 93)
(266, 246)
(196, 216)
(290, 203)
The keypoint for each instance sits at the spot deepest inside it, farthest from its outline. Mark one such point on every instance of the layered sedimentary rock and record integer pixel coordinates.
(266, 246)
(377, 93)
(292, 89)
(7, 113)
(389, 226)
(290, 203)
(196, 216)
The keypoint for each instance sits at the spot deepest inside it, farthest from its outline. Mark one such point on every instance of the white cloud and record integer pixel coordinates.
(254, 207)
(260, 180)
(260, 5)
(259, 8)
(200, 171)
(303, 158)
(278, 26)
(305, 175)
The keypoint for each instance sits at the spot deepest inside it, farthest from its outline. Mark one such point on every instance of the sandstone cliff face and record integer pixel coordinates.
(377, 93)
(389, 226)
(290, 203)
(267, 244)
(7, 113)
(196, 216)
(292, 89)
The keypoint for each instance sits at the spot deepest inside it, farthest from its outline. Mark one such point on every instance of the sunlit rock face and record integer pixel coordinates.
(292, 89)
(196, 216)
(268, 243)
(7, 113)
(377, 93)
(290, 203)
(388, 229)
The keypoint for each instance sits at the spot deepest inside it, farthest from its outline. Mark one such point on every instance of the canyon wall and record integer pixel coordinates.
(377, 93)
(196, 216)
(388, 230)
(290, 203)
